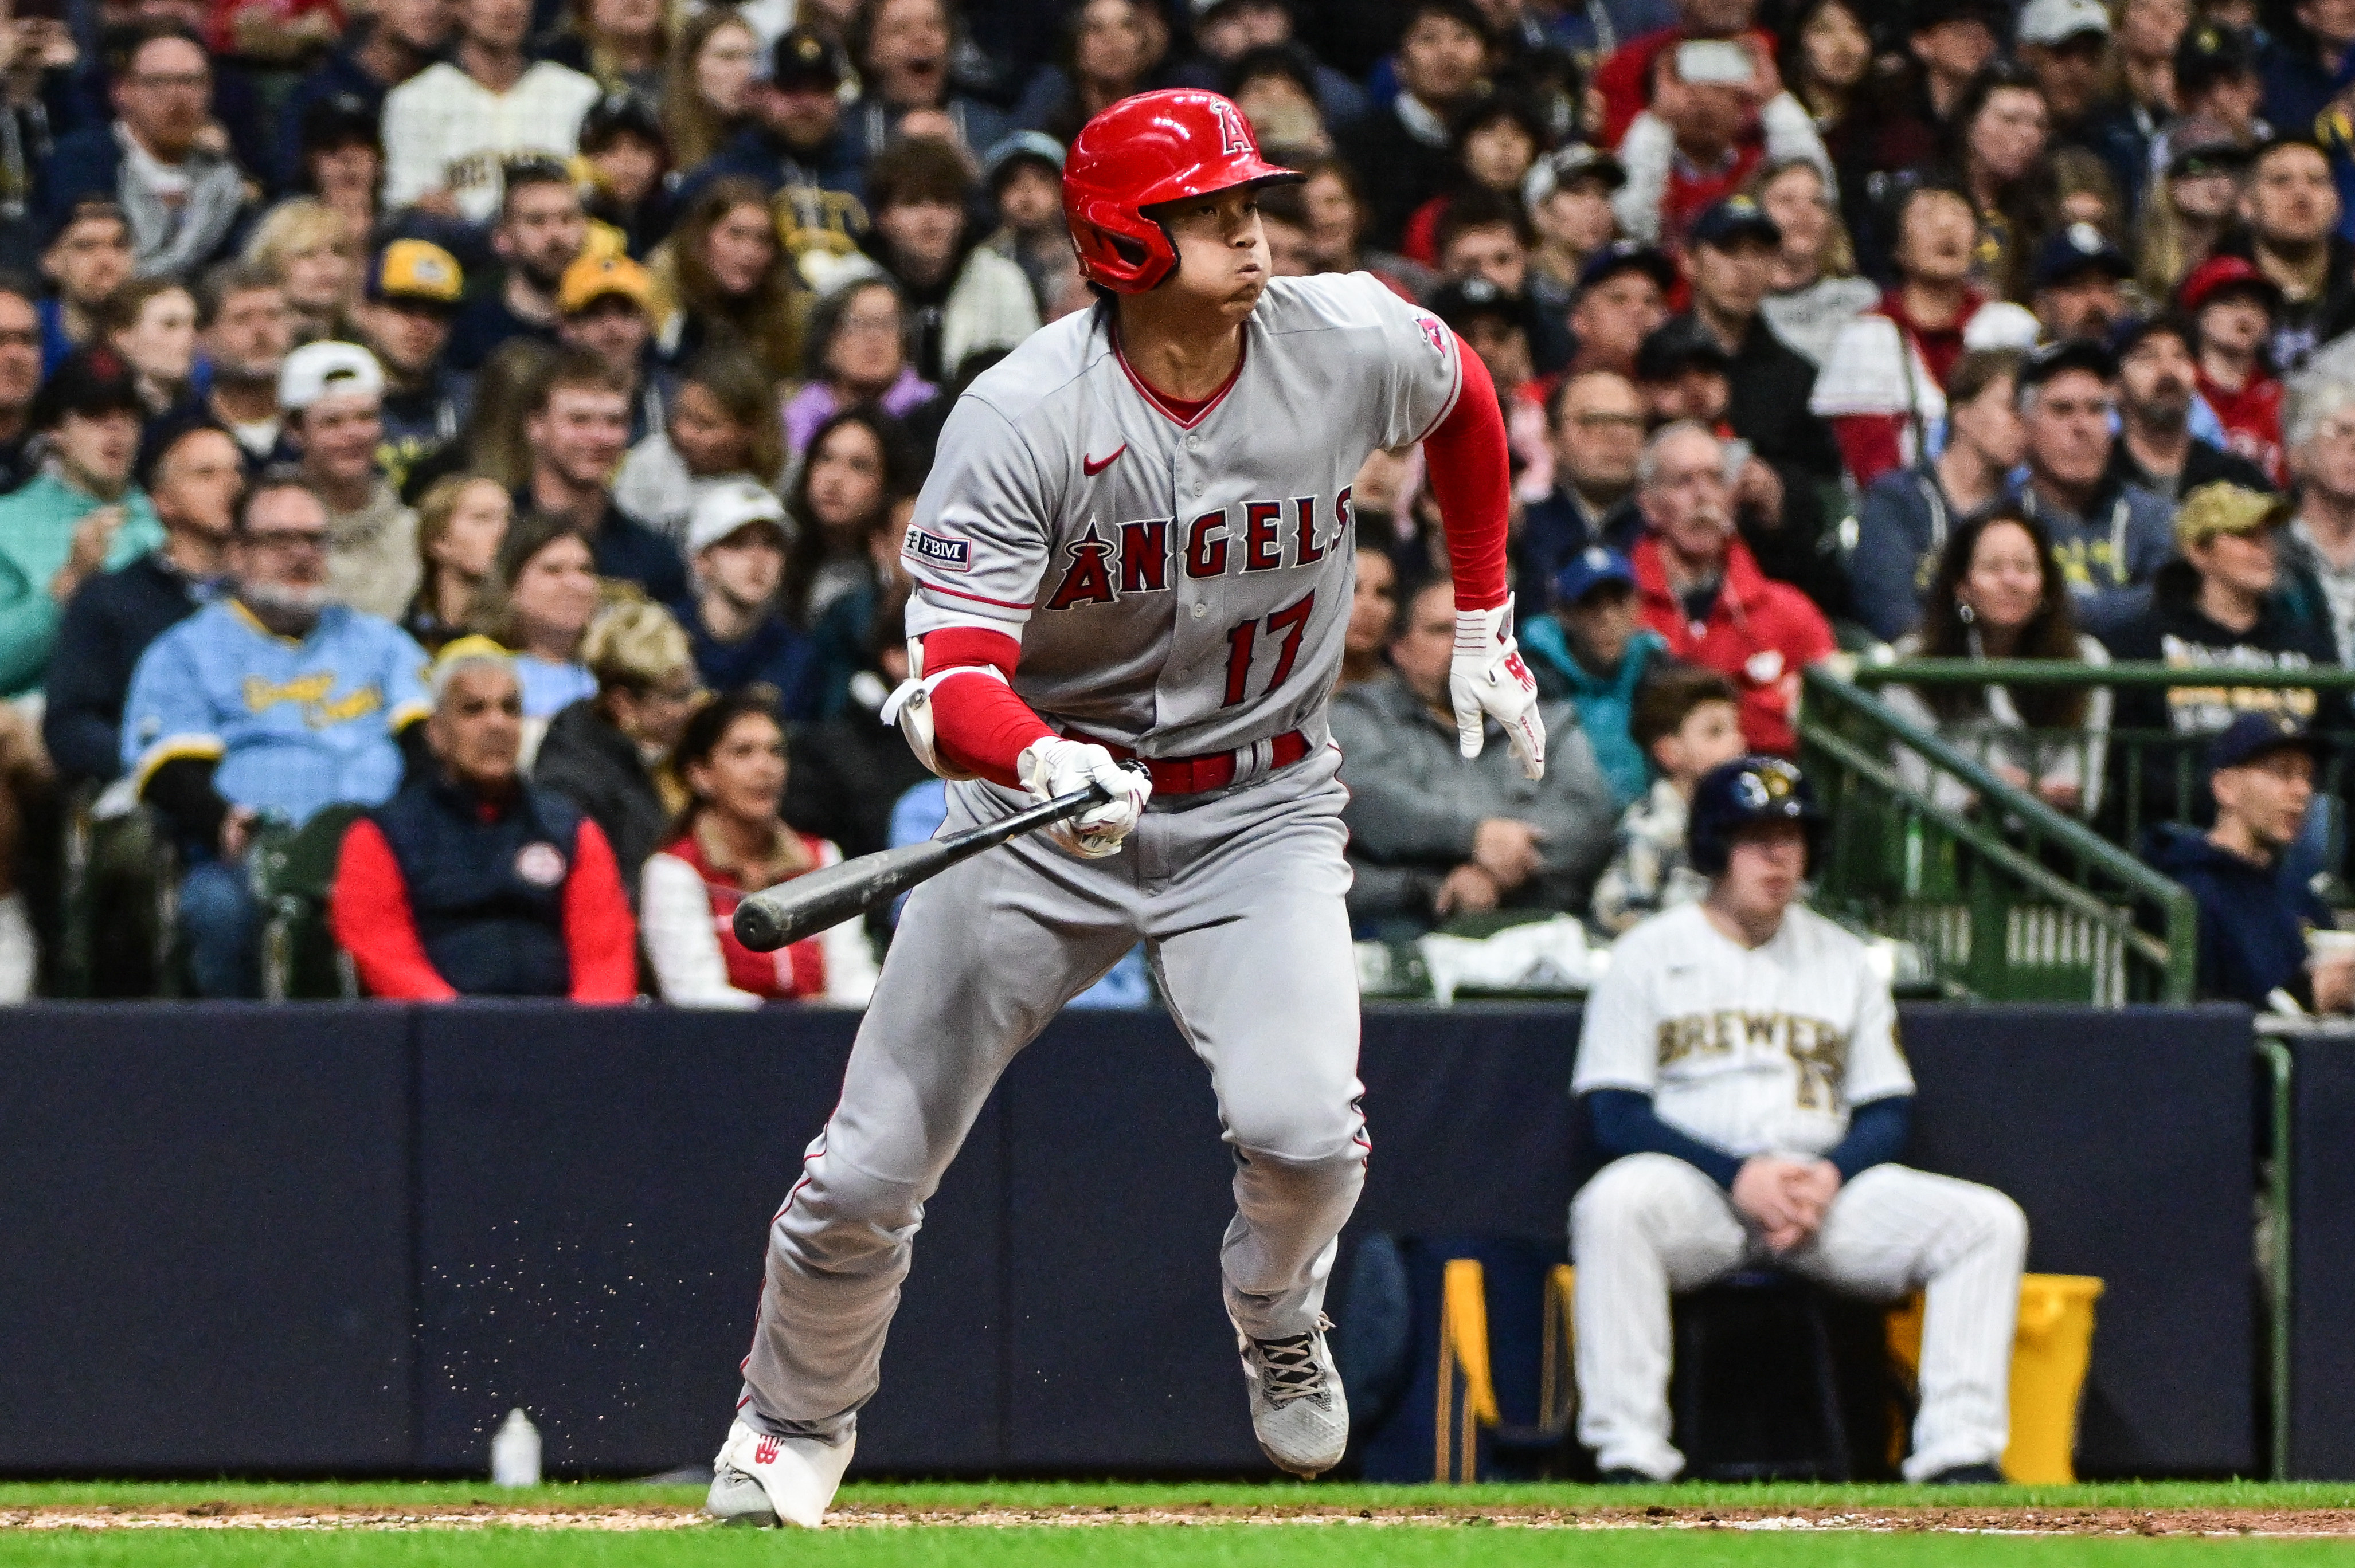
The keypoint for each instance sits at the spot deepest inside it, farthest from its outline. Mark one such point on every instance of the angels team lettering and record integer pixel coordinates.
(1104, 565)
(1817, 1048)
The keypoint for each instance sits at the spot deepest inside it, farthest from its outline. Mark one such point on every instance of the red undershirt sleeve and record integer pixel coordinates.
(979, 725)
(1472, 477)
(600, 938)
(368, 911)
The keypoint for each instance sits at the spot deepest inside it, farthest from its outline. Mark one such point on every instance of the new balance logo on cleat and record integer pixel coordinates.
(1298, 1409)
(765, 1480)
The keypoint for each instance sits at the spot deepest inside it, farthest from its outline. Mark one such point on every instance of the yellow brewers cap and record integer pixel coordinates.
(2225, 507)
(416, 270)
(592, 277)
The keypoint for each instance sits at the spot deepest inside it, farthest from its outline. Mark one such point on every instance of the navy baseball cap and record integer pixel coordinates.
(2079, 248)
(1460, 301)
(1925, 15)
(1679, 344)
(1589, 569)
(2209, 52)
(1735, 218)
(1627, 256)
(340, 119)
(2069, 354)
(2135, 330)
(626, 112)
(2253, 734)
(805, 58)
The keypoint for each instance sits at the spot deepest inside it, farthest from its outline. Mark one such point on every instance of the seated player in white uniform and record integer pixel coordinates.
(1740, 1063)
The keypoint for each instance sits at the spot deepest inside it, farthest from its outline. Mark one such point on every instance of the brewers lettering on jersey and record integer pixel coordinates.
(1752, 1049)
(1132, 561)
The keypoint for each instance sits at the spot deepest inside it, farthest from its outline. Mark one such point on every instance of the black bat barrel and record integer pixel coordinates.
(780, 915)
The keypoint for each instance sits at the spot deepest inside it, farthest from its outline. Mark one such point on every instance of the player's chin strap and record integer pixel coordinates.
(911, 707)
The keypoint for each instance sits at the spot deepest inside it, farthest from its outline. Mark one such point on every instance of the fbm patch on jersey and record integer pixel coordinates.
(948, 555)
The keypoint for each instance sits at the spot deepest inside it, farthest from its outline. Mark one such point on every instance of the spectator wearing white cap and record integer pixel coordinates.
(736, 539)
(1568, 196)
(2065, 45)
(333, 396)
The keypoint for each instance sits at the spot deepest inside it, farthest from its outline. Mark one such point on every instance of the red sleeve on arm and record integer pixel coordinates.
(369, 912)
(1869, 444)
(1472, 476)
(600, 937)
(980, 726)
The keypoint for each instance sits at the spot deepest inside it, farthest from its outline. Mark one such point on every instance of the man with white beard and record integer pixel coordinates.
(272, 701)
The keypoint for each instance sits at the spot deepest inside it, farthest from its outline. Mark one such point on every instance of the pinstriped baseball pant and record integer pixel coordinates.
(1651, 1224)
(1239, 899)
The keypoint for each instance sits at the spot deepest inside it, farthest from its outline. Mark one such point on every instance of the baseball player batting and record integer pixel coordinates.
(1740, 1059)
(1136, 544)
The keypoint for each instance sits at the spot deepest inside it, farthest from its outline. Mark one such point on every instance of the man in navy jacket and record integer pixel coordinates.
(2254, 921)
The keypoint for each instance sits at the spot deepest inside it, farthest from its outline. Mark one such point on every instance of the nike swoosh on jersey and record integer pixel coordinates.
(1095, 466)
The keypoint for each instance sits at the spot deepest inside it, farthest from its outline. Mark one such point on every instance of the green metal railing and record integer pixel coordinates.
(2008, 900)
(2153, 775)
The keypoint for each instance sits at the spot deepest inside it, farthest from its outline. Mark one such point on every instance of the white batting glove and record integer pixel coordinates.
(1051, 766)
(1487, 680)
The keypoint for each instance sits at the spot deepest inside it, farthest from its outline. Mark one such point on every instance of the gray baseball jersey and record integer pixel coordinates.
(1179, 585)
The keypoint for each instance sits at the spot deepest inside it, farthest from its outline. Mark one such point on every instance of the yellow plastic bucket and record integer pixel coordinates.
(2050, 1352)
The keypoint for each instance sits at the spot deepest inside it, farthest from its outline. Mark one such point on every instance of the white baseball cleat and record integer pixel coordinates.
(768, 1481)
(1297, 1407)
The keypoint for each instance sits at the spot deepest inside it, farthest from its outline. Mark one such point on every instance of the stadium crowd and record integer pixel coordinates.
(482, 431)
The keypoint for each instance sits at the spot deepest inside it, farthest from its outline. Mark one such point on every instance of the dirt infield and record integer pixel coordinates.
(2090, 1522)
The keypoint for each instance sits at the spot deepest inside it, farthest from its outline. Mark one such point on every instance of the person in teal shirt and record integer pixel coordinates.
(1590, 648)
(80, 516)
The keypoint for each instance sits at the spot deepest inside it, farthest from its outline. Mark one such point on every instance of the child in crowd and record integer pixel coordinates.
(1686, 720)
(1591, 649)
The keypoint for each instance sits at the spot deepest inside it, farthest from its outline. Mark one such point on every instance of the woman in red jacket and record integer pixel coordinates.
(730, 841)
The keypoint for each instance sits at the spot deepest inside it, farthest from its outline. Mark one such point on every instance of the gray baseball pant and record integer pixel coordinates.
(1238, 897)
(1650, 1223)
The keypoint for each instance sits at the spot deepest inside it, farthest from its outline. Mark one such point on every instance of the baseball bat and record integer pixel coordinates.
(783, 915)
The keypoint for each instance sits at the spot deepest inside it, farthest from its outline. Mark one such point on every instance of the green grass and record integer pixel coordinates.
(1224, 1494)
(1470, 1542)
(1233, 1546)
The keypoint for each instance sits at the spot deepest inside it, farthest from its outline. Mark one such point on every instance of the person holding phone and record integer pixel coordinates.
(1719, 113)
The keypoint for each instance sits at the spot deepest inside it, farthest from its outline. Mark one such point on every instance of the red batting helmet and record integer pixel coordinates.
(1154, 147)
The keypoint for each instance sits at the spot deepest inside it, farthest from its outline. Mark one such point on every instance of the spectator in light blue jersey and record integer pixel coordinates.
(272, 704)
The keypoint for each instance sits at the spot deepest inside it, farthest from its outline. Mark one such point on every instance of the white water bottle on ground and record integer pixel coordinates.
(515, 1452)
